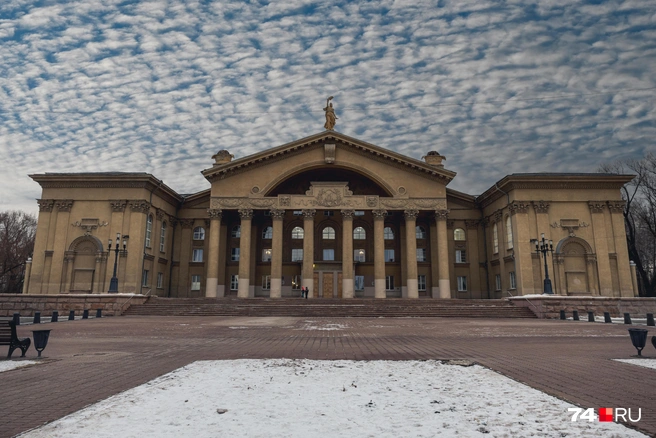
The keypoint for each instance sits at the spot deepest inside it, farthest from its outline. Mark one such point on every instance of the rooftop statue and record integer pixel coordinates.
(330, 115)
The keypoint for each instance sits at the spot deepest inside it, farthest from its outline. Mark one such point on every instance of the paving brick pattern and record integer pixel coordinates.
(89, 360)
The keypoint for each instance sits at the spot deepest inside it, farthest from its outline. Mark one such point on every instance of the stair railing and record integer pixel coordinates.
(537, 311)
(132, 296)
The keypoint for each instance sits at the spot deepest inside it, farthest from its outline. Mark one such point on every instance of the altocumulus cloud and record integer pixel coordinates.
(159, 86)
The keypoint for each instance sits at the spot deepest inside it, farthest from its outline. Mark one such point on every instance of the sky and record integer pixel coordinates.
(498, 87)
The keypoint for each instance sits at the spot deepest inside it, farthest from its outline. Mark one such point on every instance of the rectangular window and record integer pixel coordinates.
(234, 282)
(462, 284)
(513, 280)
(195, 282)
(421, 282)
(297, 255)
(296, 282)
(359, 213)
(329, 254)
(160, 280)
(234, 254)
(328, 213)
(495, 239)
(266, 282)
(421, 254)
(461, 256)
(497, 279)
(359, 282)
(197, 255)
(389, 255)
(144, 278)
(149, 230)
(358, 255)
(266, 255)
(389, 282)
(298, 212)
(162, 238)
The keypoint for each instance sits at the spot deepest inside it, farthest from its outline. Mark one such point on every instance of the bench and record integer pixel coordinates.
(8, 336)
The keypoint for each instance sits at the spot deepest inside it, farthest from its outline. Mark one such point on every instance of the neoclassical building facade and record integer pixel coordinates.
(337, 215)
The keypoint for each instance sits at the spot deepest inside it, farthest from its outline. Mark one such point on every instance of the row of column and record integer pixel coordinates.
(348, 284)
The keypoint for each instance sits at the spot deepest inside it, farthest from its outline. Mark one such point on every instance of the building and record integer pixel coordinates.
(340, 216)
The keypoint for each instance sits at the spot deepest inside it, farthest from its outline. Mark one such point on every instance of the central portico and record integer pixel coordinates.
(331, 213)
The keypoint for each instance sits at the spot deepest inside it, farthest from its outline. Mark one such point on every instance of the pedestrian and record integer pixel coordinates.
(302, 292)
(307, 289)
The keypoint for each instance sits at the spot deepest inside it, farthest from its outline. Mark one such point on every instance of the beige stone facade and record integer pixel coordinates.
(337, 215)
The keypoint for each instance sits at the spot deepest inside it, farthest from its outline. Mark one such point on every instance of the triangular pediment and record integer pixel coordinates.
(225, 168)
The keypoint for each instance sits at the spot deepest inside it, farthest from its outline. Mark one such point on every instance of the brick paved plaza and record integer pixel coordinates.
(89, 360)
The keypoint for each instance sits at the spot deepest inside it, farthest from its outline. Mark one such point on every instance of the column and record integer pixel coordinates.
(411, 252)
(601, 248)
(348, 285)
(67, 281)
(443, 253)
(276, 253)
(435, 272)
(36, 277)
(184, 283)
(245, 253)
(472, 258)
(308, 252)
(379, 253)
(616, 209)
(213, 252)
(28, 270)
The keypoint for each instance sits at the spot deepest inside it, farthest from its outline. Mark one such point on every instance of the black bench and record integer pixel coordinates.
(8, 336)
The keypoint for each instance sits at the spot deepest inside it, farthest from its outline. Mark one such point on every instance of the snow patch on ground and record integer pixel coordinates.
(647, 363)
(305, 398)
(7, 365)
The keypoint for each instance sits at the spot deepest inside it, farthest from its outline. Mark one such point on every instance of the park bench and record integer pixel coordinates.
(8, 336)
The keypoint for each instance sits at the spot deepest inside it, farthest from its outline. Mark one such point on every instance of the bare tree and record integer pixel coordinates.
(17, 231)
(640, 218)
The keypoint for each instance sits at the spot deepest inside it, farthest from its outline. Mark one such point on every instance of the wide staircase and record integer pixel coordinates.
(366, 308)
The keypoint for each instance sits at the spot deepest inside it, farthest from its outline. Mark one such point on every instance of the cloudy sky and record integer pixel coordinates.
(159, 86)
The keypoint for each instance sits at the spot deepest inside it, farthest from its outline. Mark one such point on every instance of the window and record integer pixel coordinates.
(162, 237)
(234, 254)
(266, 255)
(359, 233)
(389, 282)
(197, 255)
(266, 282)
(421, 282)
(358, 255)
(329, 254)
(509, 236)
(199, 233)
(298, 213)
(144, 277)
(459, 234)
(359, 212)
(328, 233)
(421, 254)
(195, 282)
(497, 280)
(513, 280)
(296, 282)
(461, 256)
(267, 212)
(462, 284)
(297, 233)
(149, 230)
(359, 282)
(388, 234)
(297, 255)
(328, 213)
(160, 280)
(495, 239)
(420, 232)
(234, 282)
(267, 233)
(389, 255)
(236, 231)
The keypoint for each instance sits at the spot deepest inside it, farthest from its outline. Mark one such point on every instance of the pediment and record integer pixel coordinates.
(329, 141)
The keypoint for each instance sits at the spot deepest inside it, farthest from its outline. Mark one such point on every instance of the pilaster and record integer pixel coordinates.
(348, 285)
(308, 251)
(441, 217)
(276, 257)
(379, 253)
(211, 284)
(411, 252)
(246, 216)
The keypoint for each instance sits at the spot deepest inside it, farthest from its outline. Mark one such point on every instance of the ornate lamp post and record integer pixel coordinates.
(113, 283)
(543, 246)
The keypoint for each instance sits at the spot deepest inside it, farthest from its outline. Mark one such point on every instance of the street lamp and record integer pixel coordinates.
(113, 283)
(543, 246)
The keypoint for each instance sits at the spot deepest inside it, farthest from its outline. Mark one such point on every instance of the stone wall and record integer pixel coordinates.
(550, 307)
(26, 305)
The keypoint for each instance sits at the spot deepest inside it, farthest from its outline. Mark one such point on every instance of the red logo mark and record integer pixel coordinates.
(605, 414)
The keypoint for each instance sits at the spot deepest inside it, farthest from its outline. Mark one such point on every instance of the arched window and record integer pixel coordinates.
(359, 233)
(149, 230)
(236, 231)
(495, 240)
(297, 233)
(329, 233)
(199, 233)
(162, 238)
(421, 232)
(267, 233)
(459, 234)
(509, 236)
(388, 234)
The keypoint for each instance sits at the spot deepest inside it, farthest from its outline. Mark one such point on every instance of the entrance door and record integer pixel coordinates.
(328, 285)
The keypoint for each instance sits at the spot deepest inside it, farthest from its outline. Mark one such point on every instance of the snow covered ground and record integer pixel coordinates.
(647, 363)
(309, 398)
(6, 365)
